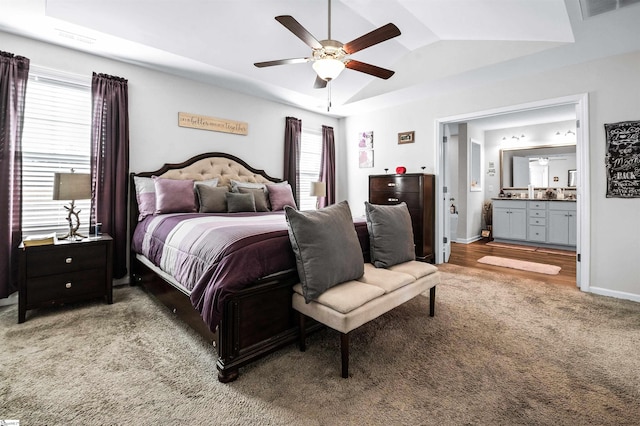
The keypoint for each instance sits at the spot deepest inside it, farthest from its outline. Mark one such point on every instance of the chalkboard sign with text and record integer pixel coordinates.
(623, 159)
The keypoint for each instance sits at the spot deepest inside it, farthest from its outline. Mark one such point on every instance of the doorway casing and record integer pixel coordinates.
(581, 103)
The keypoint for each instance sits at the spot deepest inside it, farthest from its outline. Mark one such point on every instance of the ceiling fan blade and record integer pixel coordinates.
(374, 37)
(319, 83)
(369, 69)
(282, 62)
(297, 29)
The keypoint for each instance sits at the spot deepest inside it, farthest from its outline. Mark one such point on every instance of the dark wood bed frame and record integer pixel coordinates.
(256, 321)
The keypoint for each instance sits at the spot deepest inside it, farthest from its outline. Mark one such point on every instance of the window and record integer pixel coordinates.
(310, 157)
(56, 138)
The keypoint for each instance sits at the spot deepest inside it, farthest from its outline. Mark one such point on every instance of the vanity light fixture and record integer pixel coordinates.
(515, 137)
(570, 132)
(543, 161)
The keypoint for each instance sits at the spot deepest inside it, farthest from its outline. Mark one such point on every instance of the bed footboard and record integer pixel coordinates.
(256, 321)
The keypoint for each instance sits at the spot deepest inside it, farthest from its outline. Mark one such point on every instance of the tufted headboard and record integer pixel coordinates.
(225, 167)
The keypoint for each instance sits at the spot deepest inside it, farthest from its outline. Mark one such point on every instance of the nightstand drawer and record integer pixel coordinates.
(64, 258)
(66, 287)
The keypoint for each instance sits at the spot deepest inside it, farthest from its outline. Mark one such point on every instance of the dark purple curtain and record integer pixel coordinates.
(328, 167)
(14, 73)
(292, 137)
(110, 162)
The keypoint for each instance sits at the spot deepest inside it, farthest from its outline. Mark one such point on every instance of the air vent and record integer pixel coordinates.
(596, 7)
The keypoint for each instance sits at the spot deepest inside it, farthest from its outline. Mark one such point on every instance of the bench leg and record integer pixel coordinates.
(432, 301)
(302, 344)
(344, 348)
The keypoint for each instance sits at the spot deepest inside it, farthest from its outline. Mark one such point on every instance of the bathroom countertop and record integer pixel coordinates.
(534, 199)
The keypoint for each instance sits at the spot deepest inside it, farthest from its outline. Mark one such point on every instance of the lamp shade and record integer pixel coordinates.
(328, 68)
(71, 186)
(318, 189)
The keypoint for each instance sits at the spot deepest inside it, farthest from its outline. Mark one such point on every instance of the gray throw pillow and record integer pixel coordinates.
(259, 196)
(212, 199)
(237, 202)
(390, 234)
(326, 247)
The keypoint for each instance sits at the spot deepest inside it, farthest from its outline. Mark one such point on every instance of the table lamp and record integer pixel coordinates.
(318, 189)
(72, 186)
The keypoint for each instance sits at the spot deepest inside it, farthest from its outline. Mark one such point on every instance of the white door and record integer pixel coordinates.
(446, 203)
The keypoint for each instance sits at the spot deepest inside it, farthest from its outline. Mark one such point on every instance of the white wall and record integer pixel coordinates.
(613, 85)
(155, 98)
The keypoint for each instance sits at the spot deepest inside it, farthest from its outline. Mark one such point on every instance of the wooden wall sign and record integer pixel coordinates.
(623, 159)
(203, 122)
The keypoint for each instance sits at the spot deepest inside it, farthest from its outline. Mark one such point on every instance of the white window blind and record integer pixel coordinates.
(310, 157)
(56, 138)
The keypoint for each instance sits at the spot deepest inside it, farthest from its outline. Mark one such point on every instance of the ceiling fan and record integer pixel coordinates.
(329, 56)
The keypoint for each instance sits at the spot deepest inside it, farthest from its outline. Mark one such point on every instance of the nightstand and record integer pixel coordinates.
(65, 272)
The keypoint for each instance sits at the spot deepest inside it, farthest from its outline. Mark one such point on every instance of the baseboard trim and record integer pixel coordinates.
(613, 293)
(468, 240)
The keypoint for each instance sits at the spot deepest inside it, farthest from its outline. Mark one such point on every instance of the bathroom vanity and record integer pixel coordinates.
(537, 222)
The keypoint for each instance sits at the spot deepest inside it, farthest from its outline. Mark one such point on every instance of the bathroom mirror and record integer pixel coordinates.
(544, 166)
(475, 163)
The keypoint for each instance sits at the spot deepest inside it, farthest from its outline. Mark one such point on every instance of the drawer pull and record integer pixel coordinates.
(68, 260)
(392, 199)
(68, 285)
(391, 184)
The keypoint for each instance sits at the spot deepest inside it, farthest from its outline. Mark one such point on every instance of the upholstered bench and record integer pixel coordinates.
(349, 305)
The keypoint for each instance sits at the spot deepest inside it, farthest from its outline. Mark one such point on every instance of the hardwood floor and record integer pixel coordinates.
(468, 255)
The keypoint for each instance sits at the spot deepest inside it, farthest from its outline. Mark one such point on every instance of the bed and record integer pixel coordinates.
(229, 276)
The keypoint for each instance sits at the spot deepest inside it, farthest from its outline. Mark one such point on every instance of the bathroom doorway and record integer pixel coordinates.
(577, 105)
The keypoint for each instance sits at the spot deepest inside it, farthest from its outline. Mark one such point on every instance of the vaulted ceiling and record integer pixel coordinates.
(444, 44)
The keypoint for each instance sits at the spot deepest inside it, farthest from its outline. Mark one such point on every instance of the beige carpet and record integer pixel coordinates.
(541, 268)
(500, 351)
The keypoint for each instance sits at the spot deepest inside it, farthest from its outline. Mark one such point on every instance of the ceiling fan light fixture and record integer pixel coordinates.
(328, 68)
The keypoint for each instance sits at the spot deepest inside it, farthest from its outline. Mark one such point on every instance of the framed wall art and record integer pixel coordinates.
(365, 150)
(406, 137)
(622, 159)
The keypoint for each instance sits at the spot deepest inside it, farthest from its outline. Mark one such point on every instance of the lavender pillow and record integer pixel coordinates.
(145, 196)
(174, 196)
(280, 196)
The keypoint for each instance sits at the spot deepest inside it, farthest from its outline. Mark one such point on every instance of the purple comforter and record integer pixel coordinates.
(214, 256)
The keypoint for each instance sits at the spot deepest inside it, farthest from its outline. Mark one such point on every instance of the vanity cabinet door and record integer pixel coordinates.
(562, 224)
(501, 227)
(519, 224)
(509, 220)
